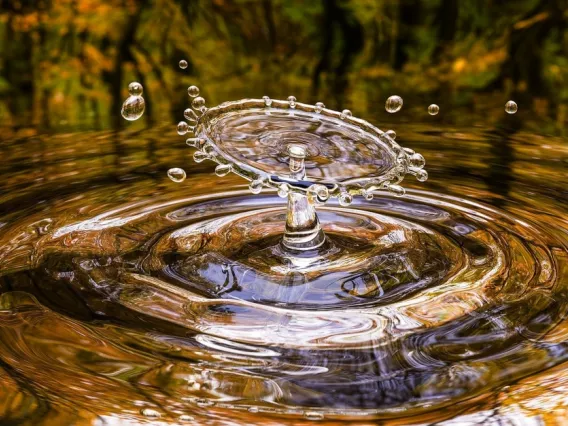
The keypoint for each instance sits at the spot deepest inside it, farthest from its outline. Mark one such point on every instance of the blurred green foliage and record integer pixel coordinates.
(70, 61)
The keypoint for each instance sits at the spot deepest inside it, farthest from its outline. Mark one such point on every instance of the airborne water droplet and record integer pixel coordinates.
(511, 107)
(183, 64)
(433, 109)
(193, 91)
(135, 89)
(133, 108)
(393, 104)
(176, 174)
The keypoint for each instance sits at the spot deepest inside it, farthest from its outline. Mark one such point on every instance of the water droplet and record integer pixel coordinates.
(283, 190)
(256, 186)
(422, 175)
(397, 190)
(433, 109)
(133, 108)
(198, 103)
(223, 170)
(190, 115)
(417, 161)
(183, 64)
(345, 199)
(253, 409)
(200, 156)
(345, 113)
(313, 415)
(186, 418)
(194, 142)
(320, 191)
(193, 91)
(393, 104)
(391, 134)
(182, 128)
(176, 174)
(267, 101)
(135, 89)
(511, 107)
(292, 101)
(319, 107)
(368, 195)
(148, 412)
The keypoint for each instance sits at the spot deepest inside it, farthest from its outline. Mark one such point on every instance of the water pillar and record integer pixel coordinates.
(303, 231)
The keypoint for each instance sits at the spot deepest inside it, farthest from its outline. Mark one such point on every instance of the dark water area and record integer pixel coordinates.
(126, 298)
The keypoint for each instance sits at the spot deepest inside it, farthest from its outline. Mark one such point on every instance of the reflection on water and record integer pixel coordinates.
(124, 295)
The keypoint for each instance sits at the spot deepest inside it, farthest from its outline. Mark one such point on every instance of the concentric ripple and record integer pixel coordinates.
(413, 304)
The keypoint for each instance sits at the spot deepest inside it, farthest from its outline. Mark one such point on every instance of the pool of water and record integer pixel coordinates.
(128, 298)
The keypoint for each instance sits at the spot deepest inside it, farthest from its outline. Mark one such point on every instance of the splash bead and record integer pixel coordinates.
(393, 104)
(182, 128)
(345, 113)
(433, 109)
(292, 101)
(135, 89)
(183, 64)
(193, 91)
(511, 107)
(176, 174)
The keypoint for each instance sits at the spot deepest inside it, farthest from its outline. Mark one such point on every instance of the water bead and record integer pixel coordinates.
(190, 115)
(292, 101)
(198, 103)
(182, 128)
(193, 91)
(133, 108)
(397, 190)
(345, 199)
(176, 174)
(393, 104)
(391, 134)
(433, 109)
(345, 113)
(256, 186)
(200, 156)
(511, 107)
(368, 195)
(267, 101)
(422, 175)
(135, 89)
(283, 190)
(319, 107)
(183, 64)
(417, 161)
(223, 170)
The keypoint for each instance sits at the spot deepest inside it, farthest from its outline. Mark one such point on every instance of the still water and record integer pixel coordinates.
(128, 298)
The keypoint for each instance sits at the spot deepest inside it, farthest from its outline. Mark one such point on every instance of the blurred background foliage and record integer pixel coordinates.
(67, 63)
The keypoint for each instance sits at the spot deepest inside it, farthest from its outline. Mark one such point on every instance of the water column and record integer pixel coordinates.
(303, 230)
